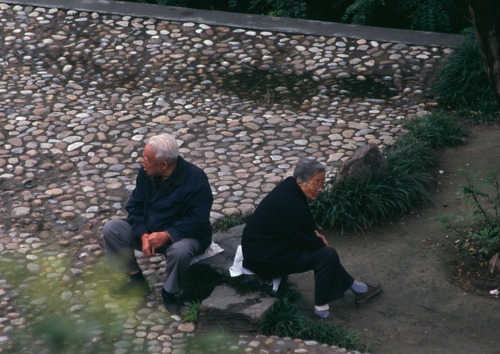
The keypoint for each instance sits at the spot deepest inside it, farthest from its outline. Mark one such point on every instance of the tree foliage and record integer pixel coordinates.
(425, 15)
(484, 16)
(278, 8)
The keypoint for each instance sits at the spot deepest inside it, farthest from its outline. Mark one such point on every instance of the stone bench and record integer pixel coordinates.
(225, 307)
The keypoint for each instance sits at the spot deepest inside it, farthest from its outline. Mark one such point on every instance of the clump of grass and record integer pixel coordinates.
(438, 129)
(361, 203)
(287, 319)
(192, 312)
(228, 221)
(462, 83)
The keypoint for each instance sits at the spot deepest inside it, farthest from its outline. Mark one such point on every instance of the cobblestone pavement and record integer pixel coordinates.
(79, 93)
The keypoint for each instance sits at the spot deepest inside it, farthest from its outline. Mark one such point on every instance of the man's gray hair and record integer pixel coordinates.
(165, 147)
(306, 168)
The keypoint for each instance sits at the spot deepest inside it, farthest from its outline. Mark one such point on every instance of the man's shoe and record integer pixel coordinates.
(361, 298)
(171, 302)
(136, 285)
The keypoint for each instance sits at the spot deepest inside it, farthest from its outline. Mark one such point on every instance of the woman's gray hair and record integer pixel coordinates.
(306, 168)
(165, 147)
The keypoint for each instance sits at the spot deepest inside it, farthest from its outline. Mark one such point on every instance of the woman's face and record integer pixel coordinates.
(314, 186)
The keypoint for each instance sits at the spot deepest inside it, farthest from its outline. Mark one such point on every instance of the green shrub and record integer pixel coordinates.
(359, 204)
(462, 83)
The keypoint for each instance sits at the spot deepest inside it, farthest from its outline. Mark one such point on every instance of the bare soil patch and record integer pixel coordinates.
(434, 299)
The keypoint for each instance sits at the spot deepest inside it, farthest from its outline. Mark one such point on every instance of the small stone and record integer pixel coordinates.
(187, 327)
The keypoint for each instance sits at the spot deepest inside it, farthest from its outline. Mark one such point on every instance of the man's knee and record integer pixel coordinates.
(116, 229)
(183, 250)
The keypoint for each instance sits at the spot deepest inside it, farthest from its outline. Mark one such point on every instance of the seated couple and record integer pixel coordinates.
(169, 213)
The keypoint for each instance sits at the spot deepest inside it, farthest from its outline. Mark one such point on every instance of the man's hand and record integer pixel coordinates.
(321, 236)
(151, 242)
(158, 239)
(147, 250)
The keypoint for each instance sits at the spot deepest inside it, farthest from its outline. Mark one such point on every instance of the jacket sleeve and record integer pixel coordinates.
(300, 227)
(135, 207)
(195, 218)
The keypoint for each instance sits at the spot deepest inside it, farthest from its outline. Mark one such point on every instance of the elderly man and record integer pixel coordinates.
(281, 239)
(168, 213)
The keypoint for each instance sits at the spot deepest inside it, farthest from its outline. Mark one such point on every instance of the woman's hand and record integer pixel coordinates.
(322, 237)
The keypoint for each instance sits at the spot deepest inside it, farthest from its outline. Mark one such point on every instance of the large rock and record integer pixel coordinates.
(365, 162)
(225, 308)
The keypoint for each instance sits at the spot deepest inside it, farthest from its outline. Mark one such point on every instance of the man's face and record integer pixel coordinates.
(152, 166)
(314, 186)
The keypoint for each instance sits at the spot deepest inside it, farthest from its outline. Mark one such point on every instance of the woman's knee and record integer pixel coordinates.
(329, 254)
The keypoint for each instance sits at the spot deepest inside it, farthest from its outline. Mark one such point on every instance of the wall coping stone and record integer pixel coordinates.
(258, 22)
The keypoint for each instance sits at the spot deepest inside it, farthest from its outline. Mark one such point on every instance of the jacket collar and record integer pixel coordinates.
(178, 178)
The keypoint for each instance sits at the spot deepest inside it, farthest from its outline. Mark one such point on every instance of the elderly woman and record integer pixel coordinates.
(281, 239)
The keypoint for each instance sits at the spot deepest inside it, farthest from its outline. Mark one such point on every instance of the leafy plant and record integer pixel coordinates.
(480, 236)
(475, 196)
(484, 237)
(484, 241)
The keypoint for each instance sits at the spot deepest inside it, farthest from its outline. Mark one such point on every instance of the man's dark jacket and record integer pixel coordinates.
(280, 228)
(181, 205)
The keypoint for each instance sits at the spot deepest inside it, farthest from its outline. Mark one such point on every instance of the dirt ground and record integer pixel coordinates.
(422, 309)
